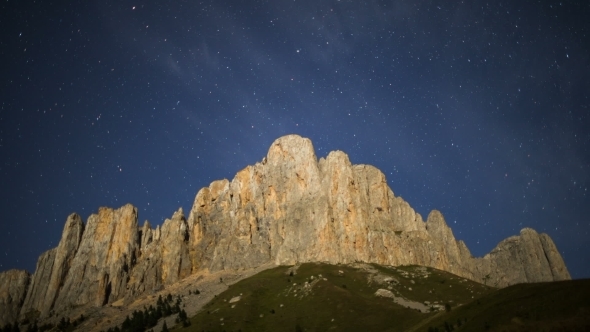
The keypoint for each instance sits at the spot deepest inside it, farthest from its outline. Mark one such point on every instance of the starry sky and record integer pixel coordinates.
(479, 109)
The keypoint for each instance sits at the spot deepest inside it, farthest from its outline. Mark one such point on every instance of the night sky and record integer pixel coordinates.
(477, 109)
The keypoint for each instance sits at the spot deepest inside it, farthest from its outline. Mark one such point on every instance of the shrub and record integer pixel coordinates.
(448, 327)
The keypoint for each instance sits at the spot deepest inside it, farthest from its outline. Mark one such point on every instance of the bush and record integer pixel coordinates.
(448, 327)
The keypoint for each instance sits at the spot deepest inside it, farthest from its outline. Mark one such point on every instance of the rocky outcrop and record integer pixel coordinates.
(52, 268)
(99, 271)
(174, 243)
(530, 257)
(164, 257)
(558, 268)
(290, 208)
(13, 287)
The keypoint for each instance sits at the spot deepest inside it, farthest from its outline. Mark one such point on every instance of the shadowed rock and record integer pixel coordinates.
(13, 288)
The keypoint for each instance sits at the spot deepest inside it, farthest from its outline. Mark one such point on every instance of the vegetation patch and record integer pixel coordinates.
(320, 297)
(552, 306)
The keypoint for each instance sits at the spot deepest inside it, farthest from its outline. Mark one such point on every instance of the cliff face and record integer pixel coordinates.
(290, 208)
(13, 288)
(53, 267)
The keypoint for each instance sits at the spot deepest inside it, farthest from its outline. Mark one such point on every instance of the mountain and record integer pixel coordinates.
(288, 209)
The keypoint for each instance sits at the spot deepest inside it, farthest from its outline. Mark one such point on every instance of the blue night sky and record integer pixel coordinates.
(477, 109)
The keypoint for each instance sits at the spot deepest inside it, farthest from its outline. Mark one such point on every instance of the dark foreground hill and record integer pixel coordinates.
(550, 306)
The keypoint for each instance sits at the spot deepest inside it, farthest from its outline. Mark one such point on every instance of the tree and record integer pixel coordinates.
(164, 327)
(448, 327)
(15, 328)
(182, 315)
(126, 324)
(63, 324)
(447, 307)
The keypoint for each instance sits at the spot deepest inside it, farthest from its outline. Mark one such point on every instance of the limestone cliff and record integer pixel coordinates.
(52, 268)
(290, 208)
(13, 287)
(89, 267)
(293, 208)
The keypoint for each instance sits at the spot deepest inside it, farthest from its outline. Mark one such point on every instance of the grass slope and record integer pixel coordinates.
(321, 297)
(555, 306)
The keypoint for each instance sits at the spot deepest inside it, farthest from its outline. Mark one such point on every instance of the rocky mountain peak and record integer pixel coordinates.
(290, 208)
(291, 149)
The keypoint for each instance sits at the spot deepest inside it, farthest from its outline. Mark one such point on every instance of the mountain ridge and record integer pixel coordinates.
(289, 208)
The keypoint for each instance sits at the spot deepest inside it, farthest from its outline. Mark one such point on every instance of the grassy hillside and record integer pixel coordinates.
(556, 306)
(320, 297)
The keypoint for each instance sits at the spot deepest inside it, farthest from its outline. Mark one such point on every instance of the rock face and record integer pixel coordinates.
(13, 287)
(530, 257)
(290, 208)
(52, 268)
(100, 269)
(90, 266)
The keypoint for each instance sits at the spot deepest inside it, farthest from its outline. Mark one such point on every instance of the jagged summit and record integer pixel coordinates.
(289, 208)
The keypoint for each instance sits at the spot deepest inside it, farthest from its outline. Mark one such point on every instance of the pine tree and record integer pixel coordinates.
(126, 324)
(160, 301)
